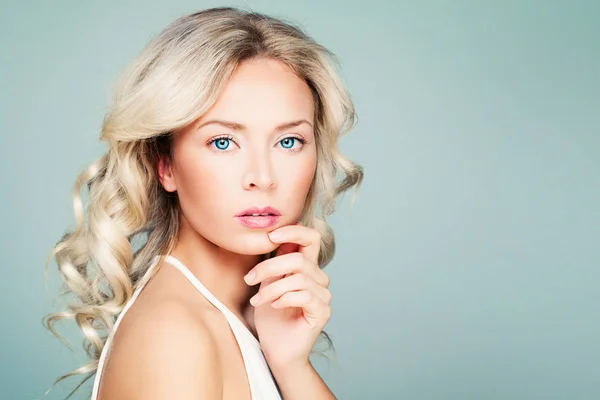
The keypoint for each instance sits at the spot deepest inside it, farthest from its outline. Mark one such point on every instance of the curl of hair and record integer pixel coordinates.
(175, 80)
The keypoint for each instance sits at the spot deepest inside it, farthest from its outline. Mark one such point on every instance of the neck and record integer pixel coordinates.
(221, 271)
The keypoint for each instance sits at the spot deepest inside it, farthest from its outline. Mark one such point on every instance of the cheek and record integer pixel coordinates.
(296, 181)
(204, 188)
(305, 177)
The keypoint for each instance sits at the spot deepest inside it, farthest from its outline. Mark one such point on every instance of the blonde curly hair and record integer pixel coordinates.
(176, 79)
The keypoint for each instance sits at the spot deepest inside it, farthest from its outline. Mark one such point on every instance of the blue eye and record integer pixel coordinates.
(288, 142)
(222, 143)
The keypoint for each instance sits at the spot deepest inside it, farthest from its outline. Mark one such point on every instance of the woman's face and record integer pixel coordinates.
(255, 148)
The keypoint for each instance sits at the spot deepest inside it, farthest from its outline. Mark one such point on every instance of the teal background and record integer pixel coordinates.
(469, 265)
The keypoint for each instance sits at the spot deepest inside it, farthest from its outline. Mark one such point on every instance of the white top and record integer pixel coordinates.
(262, 384)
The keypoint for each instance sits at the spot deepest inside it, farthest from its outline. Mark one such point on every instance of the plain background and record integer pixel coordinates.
(469, 265)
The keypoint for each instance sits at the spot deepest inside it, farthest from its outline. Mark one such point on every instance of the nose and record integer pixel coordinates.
(258, 172)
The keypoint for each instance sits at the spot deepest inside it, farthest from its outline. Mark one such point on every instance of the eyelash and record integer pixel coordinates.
(230, 138)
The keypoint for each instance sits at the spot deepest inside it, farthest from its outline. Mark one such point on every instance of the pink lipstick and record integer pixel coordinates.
(257, 217)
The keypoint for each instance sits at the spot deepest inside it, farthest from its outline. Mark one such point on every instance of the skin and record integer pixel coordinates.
(171, 327)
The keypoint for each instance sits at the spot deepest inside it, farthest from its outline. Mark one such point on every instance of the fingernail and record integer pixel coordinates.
(275, 235)
(249, 278)
(255, 299)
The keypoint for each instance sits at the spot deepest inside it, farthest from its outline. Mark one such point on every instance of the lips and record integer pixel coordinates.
(259, 212)
(257, 217)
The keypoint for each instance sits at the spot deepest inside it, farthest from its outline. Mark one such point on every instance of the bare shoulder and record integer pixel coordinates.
(164, 353)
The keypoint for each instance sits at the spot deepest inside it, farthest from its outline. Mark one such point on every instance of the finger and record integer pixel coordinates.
(315, 311)
(251, 280)
(284, 265)
(308, 239)
(289, 284)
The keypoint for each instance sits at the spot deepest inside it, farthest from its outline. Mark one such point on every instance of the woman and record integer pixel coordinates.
(212, 198)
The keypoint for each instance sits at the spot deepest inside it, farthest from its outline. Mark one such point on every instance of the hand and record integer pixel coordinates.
(293, 302)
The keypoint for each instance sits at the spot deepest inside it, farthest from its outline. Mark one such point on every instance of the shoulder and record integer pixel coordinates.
(164, 352)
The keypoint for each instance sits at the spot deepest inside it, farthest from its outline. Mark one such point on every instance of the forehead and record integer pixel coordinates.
(263, 93)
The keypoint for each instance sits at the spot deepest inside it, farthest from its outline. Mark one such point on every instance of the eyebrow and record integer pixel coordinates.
(239, 127)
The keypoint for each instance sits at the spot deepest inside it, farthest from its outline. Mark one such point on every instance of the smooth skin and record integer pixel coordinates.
(254, 147)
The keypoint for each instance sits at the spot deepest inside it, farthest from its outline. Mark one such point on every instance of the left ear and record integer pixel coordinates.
(165, 174)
